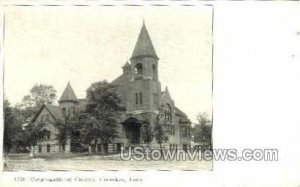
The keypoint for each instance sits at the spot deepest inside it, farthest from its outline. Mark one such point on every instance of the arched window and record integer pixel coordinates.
(168, 112)
(138, 69)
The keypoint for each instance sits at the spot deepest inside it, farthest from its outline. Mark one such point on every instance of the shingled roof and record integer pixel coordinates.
(179, 112)
(144, 46)
(53, 110)
(183, 119)
(68, 94)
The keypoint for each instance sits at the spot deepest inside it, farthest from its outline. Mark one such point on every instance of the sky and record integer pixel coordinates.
(54, 45)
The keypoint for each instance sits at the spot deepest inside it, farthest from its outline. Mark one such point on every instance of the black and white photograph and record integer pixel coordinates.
(149, 93)
(105, 88)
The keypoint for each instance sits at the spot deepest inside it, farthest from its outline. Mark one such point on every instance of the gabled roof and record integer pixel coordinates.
(68, 94)
(144, 46)
(183, 119)
(179, 112)
(55, 112)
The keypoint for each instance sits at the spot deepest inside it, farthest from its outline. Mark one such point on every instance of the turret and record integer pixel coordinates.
(144, 83)
(68, 100)
(144, 59)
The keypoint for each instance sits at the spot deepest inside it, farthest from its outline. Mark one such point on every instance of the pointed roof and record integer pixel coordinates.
(166, 93)
(144, 46)
(126, 65)
(68, 94)
(53, 110)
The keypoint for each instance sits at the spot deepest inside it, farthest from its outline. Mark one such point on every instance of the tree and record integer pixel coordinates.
(160, 133)
(32, 134)
(39, 95)
(86, 126)
(15, 133)
(203, 129)
(11, 128)
(147, 133)
(104, 105)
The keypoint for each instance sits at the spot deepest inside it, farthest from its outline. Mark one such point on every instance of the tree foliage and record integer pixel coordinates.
(28, 136)
(39, 95)
(16, 132)
(147, 133)
(104, 100)
(203, 129)
(85, 125)
(159, 131)
(11, 127)
(102, 115)
(160, 134)
(33, 133)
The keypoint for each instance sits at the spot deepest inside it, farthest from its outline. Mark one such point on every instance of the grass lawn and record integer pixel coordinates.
(83, 161)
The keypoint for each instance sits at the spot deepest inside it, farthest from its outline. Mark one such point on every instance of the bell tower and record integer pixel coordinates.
(144, 84)
(144, 59)
(68, 101)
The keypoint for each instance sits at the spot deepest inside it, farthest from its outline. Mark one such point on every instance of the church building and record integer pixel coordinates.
(142, 98)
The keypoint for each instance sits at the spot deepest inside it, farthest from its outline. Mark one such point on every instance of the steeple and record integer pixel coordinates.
(144, 46)
(68, 95)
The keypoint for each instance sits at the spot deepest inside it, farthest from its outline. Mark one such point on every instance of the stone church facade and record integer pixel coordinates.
(142, 97)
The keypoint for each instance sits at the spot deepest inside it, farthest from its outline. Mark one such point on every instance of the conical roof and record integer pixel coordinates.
(68, 94)
(144, 46)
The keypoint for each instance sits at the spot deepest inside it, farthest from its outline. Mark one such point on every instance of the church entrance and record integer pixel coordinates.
(133, 130)
(133, 133)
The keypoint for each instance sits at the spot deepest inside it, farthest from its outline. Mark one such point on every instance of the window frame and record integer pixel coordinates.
(138, 69)
(141, 97)
(136, 98)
